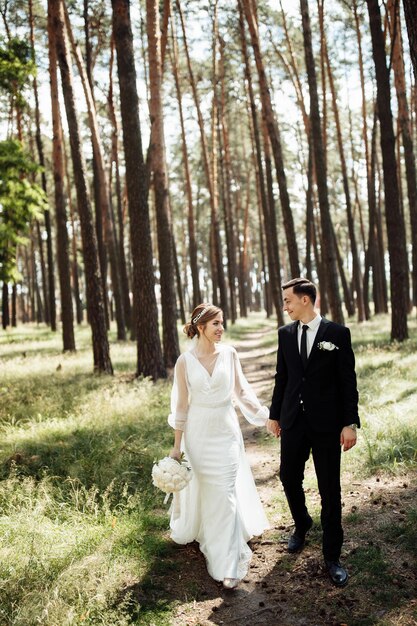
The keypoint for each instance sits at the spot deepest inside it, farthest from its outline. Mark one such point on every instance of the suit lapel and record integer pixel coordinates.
(294, 342)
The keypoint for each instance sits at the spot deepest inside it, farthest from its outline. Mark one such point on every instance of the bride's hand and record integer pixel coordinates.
(273, 427)
(175, 453)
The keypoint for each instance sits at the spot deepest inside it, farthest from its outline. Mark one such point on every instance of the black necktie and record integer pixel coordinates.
(303, 348)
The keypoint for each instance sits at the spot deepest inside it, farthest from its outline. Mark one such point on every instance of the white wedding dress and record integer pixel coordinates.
(220, 508)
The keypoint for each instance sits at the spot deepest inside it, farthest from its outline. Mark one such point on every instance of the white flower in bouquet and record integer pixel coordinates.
(171, 475)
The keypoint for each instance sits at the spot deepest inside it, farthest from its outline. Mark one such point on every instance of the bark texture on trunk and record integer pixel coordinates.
(120, 238)
(196, 299)
(393, 215)
(102, 192)
(67, 315)
(49, 287)
(405, 129)
(160, 184)
(218, 277)
(328, 251)
(356, 267)
(95, 298)
(265, 182)
(411, 21)
(149, 353)
(274, 135)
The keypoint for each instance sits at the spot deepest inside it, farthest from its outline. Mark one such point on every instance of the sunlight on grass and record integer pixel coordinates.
(81, 526)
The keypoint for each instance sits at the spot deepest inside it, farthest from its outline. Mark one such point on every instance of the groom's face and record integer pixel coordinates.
(294, 305)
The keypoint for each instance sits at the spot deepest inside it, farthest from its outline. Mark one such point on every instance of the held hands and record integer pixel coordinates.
(273, 427)
(347, 438)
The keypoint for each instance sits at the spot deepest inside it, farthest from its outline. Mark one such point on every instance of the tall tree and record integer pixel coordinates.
(187, 175)
(264, 179)
(405, 129)
(39, 144)
(328, 248)
(102, 188)
(95, 297)
(160, 184)
(119, 200)
(393, 215)
(356, 268)
(274, 135)
(99, 192)
(218, 277)
(411, 21)
(67, 315)
(149, 353)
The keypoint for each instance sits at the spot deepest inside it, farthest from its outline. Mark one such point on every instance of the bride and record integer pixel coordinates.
(220, 508)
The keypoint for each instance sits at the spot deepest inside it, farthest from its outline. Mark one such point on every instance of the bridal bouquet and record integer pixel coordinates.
(171, 475)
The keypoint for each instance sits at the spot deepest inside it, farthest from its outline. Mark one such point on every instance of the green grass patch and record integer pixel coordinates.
(83, 533)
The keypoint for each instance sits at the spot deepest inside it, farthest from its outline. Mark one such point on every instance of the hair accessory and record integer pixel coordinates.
(197, 317)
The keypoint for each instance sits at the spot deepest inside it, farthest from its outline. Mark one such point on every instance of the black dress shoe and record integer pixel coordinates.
(338, 574)
(297, 539)
(296, 542)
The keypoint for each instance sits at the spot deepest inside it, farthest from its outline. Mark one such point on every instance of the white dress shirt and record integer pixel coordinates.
(313, 327)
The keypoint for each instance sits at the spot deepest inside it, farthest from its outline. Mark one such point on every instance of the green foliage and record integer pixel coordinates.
(20, 201)
(16, 67)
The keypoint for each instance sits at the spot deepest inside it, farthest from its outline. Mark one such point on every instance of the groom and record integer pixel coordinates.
(314, 409)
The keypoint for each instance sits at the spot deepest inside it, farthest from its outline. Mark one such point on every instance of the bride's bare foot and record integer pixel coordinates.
(230, 583)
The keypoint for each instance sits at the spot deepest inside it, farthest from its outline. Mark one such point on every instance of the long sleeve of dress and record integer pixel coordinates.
(179, 396)
(246, 399)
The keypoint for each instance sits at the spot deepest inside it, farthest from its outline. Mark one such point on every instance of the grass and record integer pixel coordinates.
(82, 531)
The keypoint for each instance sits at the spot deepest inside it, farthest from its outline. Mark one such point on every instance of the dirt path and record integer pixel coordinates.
(285, 590)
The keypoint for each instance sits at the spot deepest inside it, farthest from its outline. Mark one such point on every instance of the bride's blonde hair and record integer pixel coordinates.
(202, 314)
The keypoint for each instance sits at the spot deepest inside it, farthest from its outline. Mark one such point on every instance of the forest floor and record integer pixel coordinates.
(294, 590)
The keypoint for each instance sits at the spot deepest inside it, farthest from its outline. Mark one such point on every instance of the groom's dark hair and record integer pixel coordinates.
(302, 286)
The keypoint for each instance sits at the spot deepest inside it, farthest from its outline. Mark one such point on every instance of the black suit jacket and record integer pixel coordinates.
(327, 386)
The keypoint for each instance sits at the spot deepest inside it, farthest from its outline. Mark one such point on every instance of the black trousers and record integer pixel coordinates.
(296, 445)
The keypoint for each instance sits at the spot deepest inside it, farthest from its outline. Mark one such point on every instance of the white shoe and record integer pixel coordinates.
(230, 583)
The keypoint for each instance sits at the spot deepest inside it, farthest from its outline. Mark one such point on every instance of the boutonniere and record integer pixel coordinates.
(327, 345)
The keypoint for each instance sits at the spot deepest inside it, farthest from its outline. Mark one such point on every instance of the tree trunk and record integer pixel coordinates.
(356, 268)
(242, 252)
(100, 217)
(394, 220)
(274, 135)
(405, 129)
(49, 288)
(5, 315)
(67, 315)
(328, 253)
(215, 221)
(380, 237)
(95, 298)
(102, 187)
(210, 171)
(74, 243)
(347, 295)
(267, 203)
(370, 180)
(190, 214)
(119, 200)
(411, 21)
(294, 73)
(150, 360)
(14, 305)
(160, 184)
(226, 169)
(43, 273)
